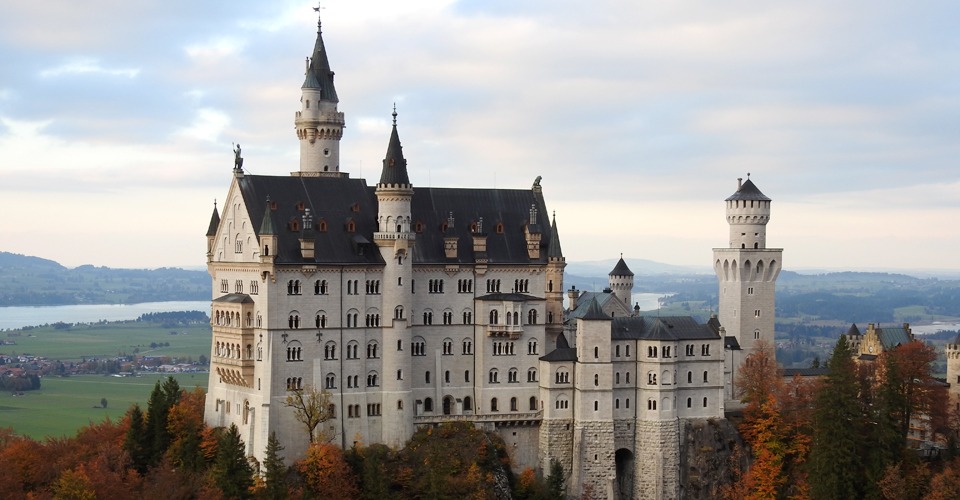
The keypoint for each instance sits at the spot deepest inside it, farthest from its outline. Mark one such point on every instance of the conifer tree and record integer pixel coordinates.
(835, 464)
(158, 436)
(555, 481)
(135, 442)
(231, 470)
(274, 470)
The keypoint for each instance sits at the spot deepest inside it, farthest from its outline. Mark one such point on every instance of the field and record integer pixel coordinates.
(64, 405)
(109, 340)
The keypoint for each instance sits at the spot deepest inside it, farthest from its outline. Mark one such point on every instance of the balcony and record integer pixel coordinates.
(499, 418)
(512, 332)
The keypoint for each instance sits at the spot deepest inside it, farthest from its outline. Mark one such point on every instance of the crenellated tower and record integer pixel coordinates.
(747, 272)
(620, 280)
(319, 125)
(554, 292)
(395, 240)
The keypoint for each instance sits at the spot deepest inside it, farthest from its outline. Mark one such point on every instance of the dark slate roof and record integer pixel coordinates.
(748, 191)
(214, 223)
(662, 328)
(730, 342)
(585, 299)
(319, 74)
(553, 251)
(594, 312)
(957, 339)
(868, 357)
(235, 298)
(806, 372)
(394, 166)
(853, 330)
(509, 297)
(892, 337)
(621, 269)
(563, 352)
(338, 200)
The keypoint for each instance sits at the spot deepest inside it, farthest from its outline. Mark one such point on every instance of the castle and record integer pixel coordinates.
(463, 317)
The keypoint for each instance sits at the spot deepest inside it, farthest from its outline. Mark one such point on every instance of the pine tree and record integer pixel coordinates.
(835, 464)
(135, 442)
(274, 470)
(555, 480)
(158, 435)
(231, 470)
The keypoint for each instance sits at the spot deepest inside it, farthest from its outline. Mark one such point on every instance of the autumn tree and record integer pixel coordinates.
(185, 426)
(911, 374)
(325, 470)
(311, 407)
(946, 484)
(835, 464)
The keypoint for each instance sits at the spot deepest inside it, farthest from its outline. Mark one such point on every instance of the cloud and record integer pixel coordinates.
(216, 48)
(207, 125)
(87, 66)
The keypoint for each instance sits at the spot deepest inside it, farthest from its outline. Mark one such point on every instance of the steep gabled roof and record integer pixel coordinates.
(334, 201)
(663, 328)
(748, 191)
(234, 298)
(853, 330)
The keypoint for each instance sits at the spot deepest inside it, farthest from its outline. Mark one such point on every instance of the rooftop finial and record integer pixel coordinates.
(394, 114)
(317, 9)
(214, 203)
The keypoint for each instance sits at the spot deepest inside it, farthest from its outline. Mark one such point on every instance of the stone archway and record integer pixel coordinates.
(623, 487)
(447, 405)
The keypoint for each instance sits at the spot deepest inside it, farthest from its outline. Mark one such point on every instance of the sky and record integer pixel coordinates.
(117, 119)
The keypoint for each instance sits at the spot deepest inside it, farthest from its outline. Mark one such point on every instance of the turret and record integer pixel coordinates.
(620, 281)
(212, 232)
(395, 241)
(748, 212)
(554, 292)
(318, 123)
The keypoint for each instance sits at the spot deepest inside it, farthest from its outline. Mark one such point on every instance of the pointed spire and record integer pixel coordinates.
(214, 221)
(319, 75)
(554, 252)
(621, 268)
(266, 227)
(394, 165)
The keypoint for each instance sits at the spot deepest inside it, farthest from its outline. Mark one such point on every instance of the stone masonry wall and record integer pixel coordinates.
(556, 442)
(596, 468)
(657, 467)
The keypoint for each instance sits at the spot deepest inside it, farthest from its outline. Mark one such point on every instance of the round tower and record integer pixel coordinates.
(952, 351)
(395, 239)
(318, 123)
(620, 280)
(748, 212)
(747, 272)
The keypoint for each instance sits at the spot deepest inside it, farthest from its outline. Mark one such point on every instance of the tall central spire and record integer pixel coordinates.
(394, 165)
(319, 75)
(318, 122)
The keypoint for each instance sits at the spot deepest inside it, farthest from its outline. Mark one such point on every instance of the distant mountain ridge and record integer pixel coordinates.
(33, 281)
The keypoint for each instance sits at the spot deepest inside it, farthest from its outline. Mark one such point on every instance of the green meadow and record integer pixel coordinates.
(64, 405)
(109, 340)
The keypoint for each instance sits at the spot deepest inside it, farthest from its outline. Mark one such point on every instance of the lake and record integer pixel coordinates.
(21, 316)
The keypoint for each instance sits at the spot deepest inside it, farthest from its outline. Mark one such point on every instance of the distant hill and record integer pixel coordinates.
(33, 281)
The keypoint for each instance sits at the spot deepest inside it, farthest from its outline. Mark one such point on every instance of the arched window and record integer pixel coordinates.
(467, 404)
(494, 376)
(533, 403)
(428, 404)
(494, 317)
(331, 381)
(512, 376)
(532, 375)
(513, 405)
(493, 405)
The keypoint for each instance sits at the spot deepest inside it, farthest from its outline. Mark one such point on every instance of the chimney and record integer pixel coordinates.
(573, 295)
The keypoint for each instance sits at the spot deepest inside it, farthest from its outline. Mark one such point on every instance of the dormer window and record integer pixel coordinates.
(443, 227)
(351, 226)
(355, 208)
(300, 206)
(499, 228)
(273, 205)
(322, 226)
(419, 227)
(294, 225)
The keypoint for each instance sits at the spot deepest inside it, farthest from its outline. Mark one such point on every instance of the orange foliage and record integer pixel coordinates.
(325, 470)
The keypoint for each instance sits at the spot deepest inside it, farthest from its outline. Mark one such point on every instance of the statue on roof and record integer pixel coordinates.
(237, 159)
